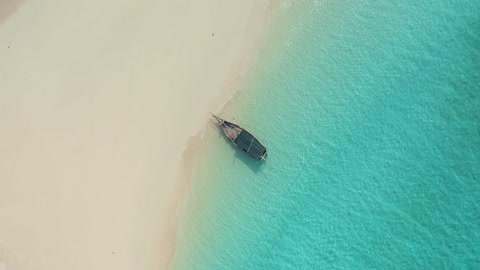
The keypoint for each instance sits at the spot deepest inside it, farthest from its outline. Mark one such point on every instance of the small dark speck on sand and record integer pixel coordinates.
(213, 34)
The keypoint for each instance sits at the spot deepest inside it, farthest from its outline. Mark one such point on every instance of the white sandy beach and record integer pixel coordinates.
(97, 102)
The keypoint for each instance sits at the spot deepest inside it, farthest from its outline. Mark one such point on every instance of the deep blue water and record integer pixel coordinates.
(370, 111)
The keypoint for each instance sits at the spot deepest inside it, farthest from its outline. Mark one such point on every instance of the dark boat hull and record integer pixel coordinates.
(249, 144)
(243, 139)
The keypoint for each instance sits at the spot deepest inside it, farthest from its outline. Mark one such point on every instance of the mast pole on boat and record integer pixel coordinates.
(220, 120)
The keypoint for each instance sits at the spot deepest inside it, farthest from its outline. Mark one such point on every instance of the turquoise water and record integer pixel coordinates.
(371, 114)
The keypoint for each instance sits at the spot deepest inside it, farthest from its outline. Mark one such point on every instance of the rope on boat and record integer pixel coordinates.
(266, 161)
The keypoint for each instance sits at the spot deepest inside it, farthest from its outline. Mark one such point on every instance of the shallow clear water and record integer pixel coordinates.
(371, 114)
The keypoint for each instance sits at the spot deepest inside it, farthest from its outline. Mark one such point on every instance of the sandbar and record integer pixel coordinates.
(98, 100)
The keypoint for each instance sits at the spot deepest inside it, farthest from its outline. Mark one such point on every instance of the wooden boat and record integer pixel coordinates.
(242, 139)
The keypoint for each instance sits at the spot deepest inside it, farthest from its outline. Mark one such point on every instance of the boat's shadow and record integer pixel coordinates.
(254, 165)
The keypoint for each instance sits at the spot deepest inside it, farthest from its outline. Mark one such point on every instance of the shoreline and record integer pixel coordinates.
(99, 187)
(194, 147)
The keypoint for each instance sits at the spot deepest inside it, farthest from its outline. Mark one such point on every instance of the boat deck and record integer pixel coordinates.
(242, 139)
(249, 144)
